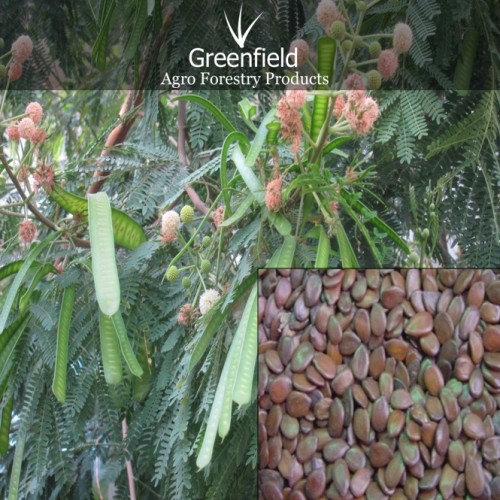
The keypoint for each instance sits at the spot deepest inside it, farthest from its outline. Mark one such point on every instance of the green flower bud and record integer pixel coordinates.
(205, 266)
(338, 30)
(186, 282)
(172, 274)
(432, 206)
(375, 49)
(346, 46)
(351, 65)
(358, 42)
(413, 258)
(425, 233)
(206, 241)
(373, 80)
(187, 213)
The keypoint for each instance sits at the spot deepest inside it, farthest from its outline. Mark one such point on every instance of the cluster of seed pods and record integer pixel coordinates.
(379, 384)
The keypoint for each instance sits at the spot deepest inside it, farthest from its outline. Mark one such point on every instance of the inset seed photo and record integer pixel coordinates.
(379, 383)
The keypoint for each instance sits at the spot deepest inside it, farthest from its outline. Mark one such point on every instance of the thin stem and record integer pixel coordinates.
(128, 464)
(323, 134)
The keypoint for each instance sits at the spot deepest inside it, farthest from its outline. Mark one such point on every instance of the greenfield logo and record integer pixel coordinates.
(240, 38)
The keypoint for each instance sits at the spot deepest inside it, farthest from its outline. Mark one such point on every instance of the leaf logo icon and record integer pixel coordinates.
(240, 38)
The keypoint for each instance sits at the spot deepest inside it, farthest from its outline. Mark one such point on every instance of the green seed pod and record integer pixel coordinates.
(3, 71)
(375, 49)
(346, 46)
(432, 206)
(425, 233)
(206, 241)
(172, 274)
(205, 266)
(338, 30)
(357, 42)
(187, 214)
(186, 282)
(373, 80)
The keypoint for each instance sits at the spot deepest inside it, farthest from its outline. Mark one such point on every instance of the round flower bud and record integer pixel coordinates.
(205, 266)
(13, 133)
(357, 42)
(352, 65)
(208, 299)
(338, 30)
(35, 111)
(22, 48)
(187, 213)
(27, 231)
(375, 49)
(206, 241)
(387, 63)
(425, 233)
(413, 258)
(172, 274)
(170, 221)
(15, 71)
(346, 46)
(26, 128)
(185, 315)
(403, 38)
(327, 12)
(186, 282)
(373, 80)
(301, 48)
(3, 71)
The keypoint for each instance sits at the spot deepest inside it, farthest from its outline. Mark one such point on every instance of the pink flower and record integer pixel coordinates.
(35, 112)
(218, 215)
(327, 12)
(38, 136)
(26, 127)
(24, 173)
(27, 231)
(184, 317)
(169, 236)
(302, 49)
(44, 178)
(15, 71)
(13, 133)
(273, 194)
(360, 114)
(403, 38)
(387, 63)
(296, 97)
(291, 122)
(354, 81)
(22, 48)
(334, 206)
(339, 106)
(170, 221)
(350, 175)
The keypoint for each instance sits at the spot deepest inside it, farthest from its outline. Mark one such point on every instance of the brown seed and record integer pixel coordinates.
(476, 383)
(395, 318)
(456, 309)
(282, 292)
(325, 365)
(386, 384)
(395, 423)
(491, 449)
(302, 356)
(336, 418)
(361, 323)
(342, 381)
(315, 484)
(334, 330)
(280, 388)
(361, 425)
(360, 481)
(271, 491)
(468, 322)
(450, 404)
(317, 339)
(430, 479)
(392, 296)
(360, 362)
(359, 287)
(492, 360)
(298, 404)
(489, 312)
(275, 446)
(355, 458)
(474, 427)
(491, 338)
(289, 426)
(474, 476)
(397, 348)
(378, 320)
(401, 399)
(341, 477)
(394, 471)
(273, 361)
(409, 450)
(443, 326)
(380, 454)
(312, 290)
(374, 492)
(300, 309)
(334, 450)
(372, 278)
(322, 316)
(377, 362)
(273, 420)
(433, 379)
(456, 455)
(475, 296)
(430, 344)
(493, 292)
(434, 408)
(286, 346)
(302, 383)
(442, 437)
(414, 431)
(380, 414)
(349, 343)
(420, 324)
(463, 281)
(322, 408)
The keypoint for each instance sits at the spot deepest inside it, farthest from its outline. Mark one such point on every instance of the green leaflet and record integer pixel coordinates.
(104, 269)
(5, 419)
(127, 232)
(14, 287)
(216, 321)
(221, 117)
(248, 175)
(61, 365)
(242, 391)
(10, 269)
(323, 250)
(127, 351)
(8, 350)
(465, 63)
(42, 272)
(240, 211)
(283, 256)
(347, 255)
(259, 139)
(280, 222)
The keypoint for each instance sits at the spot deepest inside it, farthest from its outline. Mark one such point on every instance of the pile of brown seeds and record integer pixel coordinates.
(379, 384)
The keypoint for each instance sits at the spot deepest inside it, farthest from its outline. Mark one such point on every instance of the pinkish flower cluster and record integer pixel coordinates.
(13, 132)
(44, 178)
(402, 38)
(35, 111)
(170, 222)
(354, 81)
(26, 128)
(301, 48)
(350, 175)
(218, 215)
(289, 116)
(185, 314)
(387, 63)
(27, 231)
(21, 49)
(24, 173)
(327, 13)
(360, 111)
(274, 194)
